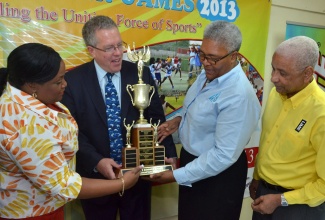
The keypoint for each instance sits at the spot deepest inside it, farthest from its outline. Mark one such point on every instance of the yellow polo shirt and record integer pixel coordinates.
(292, 145)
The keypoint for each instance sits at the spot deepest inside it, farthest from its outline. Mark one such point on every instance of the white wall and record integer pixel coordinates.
(301, 11)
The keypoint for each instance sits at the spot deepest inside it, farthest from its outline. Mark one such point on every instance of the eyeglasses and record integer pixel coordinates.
(111, 49)
(211, 60)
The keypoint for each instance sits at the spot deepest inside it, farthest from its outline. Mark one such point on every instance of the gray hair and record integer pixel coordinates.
(94, 24)
(224, 33)
(304, 50)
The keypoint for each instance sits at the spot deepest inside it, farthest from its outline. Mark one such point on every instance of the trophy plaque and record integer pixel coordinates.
(143, 149)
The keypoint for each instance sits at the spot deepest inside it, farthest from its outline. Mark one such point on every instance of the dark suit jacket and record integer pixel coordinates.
(85, 101)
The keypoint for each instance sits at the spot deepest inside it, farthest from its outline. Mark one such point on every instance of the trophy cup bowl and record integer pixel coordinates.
(140, 98)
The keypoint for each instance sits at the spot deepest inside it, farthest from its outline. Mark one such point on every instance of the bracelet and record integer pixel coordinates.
(121, 193)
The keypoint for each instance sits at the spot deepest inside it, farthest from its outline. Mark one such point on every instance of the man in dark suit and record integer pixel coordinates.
(85, 95)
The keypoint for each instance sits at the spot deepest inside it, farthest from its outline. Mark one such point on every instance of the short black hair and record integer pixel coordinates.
(32, 62)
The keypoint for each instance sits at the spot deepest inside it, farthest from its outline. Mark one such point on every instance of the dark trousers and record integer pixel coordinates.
(291, 212)
(135, 204)
(217, 197)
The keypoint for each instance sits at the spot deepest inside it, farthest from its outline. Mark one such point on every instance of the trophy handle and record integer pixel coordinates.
(151, 88)
(127, 89)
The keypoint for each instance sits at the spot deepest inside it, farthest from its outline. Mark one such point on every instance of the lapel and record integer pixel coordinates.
(94, 92)
(127, 78)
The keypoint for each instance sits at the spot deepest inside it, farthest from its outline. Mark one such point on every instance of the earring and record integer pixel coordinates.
(34, 95)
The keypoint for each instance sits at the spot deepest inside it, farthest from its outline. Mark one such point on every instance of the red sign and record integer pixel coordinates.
(251, 156)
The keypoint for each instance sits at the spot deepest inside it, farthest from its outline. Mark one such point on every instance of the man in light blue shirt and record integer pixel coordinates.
(220, 113)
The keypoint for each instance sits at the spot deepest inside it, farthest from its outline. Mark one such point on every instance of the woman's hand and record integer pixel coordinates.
(131, 177)
(168, 127)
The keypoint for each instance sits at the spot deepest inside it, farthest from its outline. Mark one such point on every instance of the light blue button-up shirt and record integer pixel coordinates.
(102, 80)
(217, 123)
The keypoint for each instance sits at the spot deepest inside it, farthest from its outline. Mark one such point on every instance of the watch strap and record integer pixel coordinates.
(284, 202)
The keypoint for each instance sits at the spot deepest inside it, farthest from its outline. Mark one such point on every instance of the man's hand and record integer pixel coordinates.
(266, 204)
(253, 187)
(106, 166)
(168, 127)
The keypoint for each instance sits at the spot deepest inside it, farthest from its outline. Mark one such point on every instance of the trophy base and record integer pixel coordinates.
(145, 125)
(146, 171)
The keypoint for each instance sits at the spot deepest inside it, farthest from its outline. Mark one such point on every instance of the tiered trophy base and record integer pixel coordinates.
(144, 152)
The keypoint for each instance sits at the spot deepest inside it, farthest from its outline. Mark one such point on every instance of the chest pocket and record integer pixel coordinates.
(291, 146)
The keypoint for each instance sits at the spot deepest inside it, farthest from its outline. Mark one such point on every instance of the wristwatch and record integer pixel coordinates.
(284, 202)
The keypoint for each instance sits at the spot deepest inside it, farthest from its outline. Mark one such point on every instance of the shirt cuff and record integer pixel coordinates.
(180, 177)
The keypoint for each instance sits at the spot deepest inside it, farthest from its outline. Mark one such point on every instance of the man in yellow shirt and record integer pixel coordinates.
(289, 177)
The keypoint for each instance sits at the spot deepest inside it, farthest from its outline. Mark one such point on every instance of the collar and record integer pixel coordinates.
(29, 102)
(101, 73)
(302, 95)
(225, 77)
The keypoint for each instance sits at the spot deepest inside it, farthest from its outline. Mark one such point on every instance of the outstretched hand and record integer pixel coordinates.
(166, 176)
(168, 127)
(132, 176)
(163, 177)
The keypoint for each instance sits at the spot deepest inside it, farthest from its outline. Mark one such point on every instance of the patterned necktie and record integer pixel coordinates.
(113, 112)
